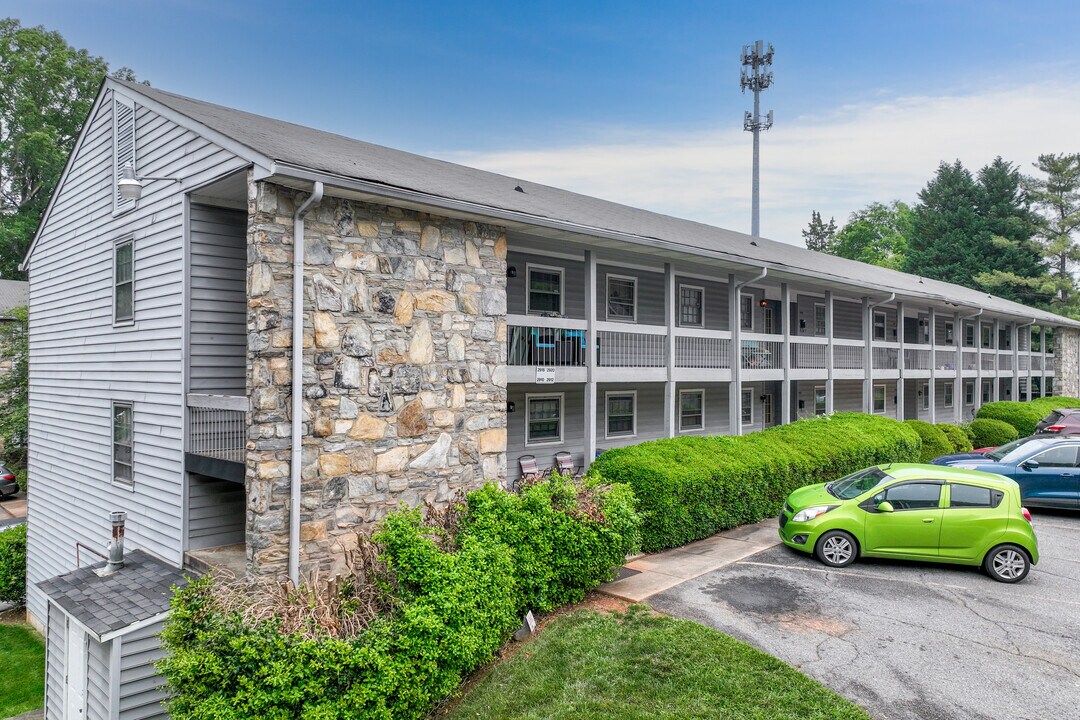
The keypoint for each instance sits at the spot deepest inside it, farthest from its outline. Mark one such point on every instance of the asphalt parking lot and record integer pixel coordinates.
(911, 641)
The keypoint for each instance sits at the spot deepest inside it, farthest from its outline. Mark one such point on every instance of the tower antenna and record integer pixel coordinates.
(756, 76)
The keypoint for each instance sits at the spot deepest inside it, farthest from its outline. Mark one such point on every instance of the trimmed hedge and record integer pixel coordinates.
(452, 592)
(690, 487)
(934, 441)
(957, 437)
(13, 565)
(1024, 416)
(992, 433)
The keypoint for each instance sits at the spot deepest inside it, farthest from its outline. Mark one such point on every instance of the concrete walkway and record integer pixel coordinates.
(646, 575)
(13, 510)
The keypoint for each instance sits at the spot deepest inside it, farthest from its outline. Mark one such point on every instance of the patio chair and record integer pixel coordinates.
(564, 463)
(530, 471)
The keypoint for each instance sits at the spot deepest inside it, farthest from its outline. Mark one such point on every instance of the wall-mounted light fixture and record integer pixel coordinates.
(511, 272)
(130, 186)
(510, 406)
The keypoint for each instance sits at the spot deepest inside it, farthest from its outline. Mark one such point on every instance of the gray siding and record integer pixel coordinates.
(573, 283)
(717, 421)
(573, 430)
(97, 679)
(847, 320)
(649, 409)
(141, 690)
(218, 306)
(216, 512)
(650, 293)
(55, 663)
(79, 362)
(716, 301)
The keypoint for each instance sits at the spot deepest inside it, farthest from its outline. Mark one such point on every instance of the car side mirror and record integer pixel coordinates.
(885, 507)
(1030, 464)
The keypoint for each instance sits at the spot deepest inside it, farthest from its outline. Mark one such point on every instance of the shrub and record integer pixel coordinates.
(449, 591)
(956, 436)
(690, 487)
(1024, 416)
(991, 433)
(13, 565)
(934, 440)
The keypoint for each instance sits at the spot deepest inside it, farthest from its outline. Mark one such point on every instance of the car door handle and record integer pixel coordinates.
(928, 520)
(1066, 474)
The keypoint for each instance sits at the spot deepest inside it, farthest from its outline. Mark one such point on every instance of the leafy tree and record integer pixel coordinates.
(46, 90)
(877, 234)
(819, 236)
(13, 385)
(1056, 197)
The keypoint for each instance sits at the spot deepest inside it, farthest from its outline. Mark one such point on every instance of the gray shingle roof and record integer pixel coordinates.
(338, 155)
(138, 591)
(12, 294)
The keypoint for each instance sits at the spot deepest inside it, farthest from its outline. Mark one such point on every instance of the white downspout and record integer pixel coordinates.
(298, 381)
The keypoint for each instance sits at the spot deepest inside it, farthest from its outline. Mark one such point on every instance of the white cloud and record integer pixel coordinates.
(837, 163)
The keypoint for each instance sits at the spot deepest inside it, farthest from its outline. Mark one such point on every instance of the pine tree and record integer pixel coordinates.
(819, 236)
(1057, 199)
(946, 242)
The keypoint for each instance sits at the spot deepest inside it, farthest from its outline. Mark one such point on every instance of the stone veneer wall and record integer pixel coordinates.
(404, 368)
(1067, 362)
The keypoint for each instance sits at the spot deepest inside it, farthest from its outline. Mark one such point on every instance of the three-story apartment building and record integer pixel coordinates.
(251, 402)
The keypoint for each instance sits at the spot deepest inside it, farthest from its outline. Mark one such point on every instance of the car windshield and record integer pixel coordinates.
(1009, 451)
(856, 484)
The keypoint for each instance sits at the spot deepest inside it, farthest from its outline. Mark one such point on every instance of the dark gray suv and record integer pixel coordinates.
(8, 486)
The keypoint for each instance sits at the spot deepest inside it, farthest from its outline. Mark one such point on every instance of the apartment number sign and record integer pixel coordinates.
(545, 376)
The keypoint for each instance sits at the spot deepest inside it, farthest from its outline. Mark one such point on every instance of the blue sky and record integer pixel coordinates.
(634, 101)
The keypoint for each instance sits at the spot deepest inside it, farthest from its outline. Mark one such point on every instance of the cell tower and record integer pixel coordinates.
(756, 76)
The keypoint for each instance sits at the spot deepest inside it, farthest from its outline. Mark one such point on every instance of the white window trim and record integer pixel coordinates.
(607, 396)
(987, 389)
(884, 399)
(925, 404)
(884, 326)
(746, 405)
(824, 392)
(561, 397)
(750, 297)
(121, 99)
(974, 335)
(607, 297)
(679, 290)
(682, 429)
(825, 321)
(529, 267)
(123, 322)
(112, 444)
(969, 385)
(945, 402)
(948, 330)
(768, 419)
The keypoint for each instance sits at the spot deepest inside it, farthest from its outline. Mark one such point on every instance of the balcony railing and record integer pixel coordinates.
(971, 360)
(636, 347)
(217, 426)
(1005, 361)
(917, 358)
(1036, 362)
(988, 361)
(849, 357)
(945, 359)
(702, 352)
(886, 358)
(546, 346)
(809, 355)
(760, 354)
(1023, 362)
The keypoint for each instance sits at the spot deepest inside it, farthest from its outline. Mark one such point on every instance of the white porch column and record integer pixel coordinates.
(670, 307)
(1014, 340)
(735, 386)
(995, 343)
(785, 327)
(868, 357)
(958, 383)
(829, 351)
(901, 385)
(931, 387)
(977, 396)
(592, 343)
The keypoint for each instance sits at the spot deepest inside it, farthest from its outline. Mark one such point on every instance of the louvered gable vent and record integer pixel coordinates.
(123, 146)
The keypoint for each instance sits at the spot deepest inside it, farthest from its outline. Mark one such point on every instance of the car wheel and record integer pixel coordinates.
(1007, 563)
(836, 548)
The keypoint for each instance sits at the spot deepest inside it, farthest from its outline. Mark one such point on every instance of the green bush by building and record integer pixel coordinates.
(991, 433)
(1024, 416)
(956, 436)
(13, 565)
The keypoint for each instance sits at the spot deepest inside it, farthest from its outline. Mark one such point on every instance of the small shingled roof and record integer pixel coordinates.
(138, 591)
(13, 294)
(332, 154)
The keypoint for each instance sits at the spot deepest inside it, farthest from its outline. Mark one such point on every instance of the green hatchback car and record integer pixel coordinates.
(915, 512)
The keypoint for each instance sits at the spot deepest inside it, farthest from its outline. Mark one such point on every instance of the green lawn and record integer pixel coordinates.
(22, 669)
(586, 666)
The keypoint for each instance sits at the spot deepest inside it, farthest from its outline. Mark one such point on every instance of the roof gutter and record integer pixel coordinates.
(975, 315)
(298, 380)
(886, 301)
(759, 276)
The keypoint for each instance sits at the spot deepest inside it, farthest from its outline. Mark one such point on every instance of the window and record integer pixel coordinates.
(820, 404)
(123, 437)
(620, 414)
(747, 407)
(987, 333)
(746, 312)
(987, 390)
(948, 333)
(879, 326)
(819, 319)
(124, 281)
(545, 419)
(924, 330)
(911, 496)
(123, 147)
(691, 410)
(766, 409)
(969, 336)
(1060, 456)
(879, 398)
(947, 393)
(621, 298)
(545, 290)
(969, 392)
(925, 396)
(767, 319)
(970, 496)
(691, 306)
